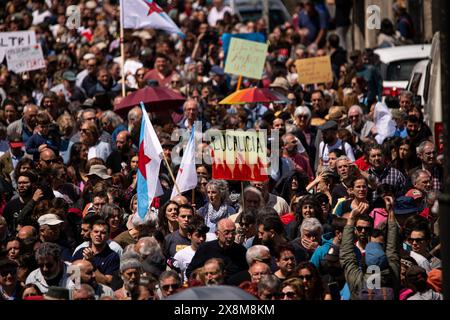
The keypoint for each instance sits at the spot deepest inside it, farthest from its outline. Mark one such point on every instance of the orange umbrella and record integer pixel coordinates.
(254, 95)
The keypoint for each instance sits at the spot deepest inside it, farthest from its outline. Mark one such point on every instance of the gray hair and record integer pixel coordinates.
(221, 186)
(357, 108)
(416, 174)
(108, 210)
(342, 158)
(311, 225)
(270, 282)
(303, 110)
(190, 100)
(256, 191)
(28, 106)
(255, 252)
(422, 146)
(84, 288)
(134, 113)
(48, 249)
(169, 274)
(113, 118)
(150, 247)
(407, 94)
(130, 260)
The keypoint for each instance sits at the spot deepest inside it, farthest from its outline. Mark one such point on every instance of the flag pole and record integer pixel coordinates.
(193, 196)
(122, 49)
(239, 83)
(242, 192)
(171, 173)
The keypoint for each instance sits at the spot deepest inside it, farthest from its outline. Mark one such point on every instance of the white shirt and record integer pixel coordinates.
(100, 150)
(324, 150)
(215, 15)
(40, 17)
(421, 261)
(114, 246)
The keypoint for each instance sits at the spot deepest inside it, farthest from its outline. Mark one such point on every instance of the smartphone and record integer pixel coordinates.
(333, 288)
(407, 247)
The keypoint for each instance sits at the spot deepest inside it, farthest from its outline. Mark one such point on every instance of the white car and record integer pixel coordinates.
(251, 10)
(397, 64)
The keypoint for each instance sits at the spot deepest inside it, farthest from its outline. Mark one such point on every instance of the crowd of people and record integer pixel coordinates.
(355, 192)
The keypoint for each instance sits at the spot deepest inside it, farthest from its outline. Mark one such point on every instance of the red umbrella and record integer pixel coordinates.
(156, 99)
(253, 95)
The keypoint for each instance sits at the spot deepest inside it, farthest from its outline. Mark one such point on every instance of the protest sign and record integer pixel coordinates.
(254, 36)
(314, 70)
(16, 39)
(239, 155)
(25, 58)
(246, 58)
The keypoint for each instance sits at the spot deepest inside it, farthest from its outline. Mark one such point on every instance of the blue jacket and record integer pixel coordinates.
(321, 252)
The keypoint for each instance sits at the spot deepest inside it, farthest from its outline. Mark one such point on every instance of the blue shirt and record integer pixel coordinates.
(314, 23)
(107, 261)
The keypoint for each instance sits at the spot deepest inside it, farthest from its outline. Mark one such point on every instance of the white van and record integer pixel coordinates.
(425, 81)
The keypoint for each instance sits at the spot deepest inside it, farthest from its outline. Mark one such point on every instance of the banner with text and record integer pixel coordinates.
(238, 155)
(314, 70)
(15, 39)
(246, 58)
(25, 58)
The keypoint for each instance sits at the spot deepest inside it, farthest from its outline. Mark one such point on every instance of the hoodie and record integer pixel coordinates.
(321, 252)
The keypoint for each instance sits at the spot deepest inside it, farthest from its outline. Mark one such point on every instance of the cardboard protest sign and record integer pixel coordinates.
(9, 40)
(239, 155)
(246, 58)
(314, 70)
(254, 36)
(25, 58)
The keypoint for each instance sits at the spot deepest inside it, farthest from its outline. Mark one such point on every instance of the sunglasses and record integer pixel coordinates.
(276, 295)
(85, 131)
(289, 294)
(418, 240)
(368, 229)
(49, 161)
(306, 277)
(173, 286)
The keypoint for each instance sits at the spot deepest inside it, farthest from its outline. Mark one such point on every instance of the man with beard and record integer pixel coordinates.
(25, 126)
(224, 247)
(87, 276)
(27, 197)
(122, 155)
(213, 269)
(130, 272)
(271, 232)
(382, 172)
(294, 151)
(134, 124)
(331, 141)
(319, 108)
(285, 258)
(52, 270)
(359, 128)
(417, 130)
(105, 260)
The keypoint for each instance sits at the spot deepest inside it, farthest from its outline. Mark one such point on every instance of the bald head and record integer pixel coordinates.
(134, 116)
(46, 158)
(27, 232)
(123, 141)
(86, 271)
(85, 292)
(181, 200)
(226, 232)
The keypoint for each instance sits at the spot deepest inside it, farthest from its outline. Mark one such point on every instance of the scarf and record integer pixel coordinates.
(214, 216)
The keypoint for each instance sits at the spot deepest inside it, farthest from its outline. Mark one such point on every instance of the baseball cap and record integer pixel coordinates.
(217, 70)
(405, 205)
(69, 76)
(414, 193)
(49, 219)
(16, 141)
(88, 56)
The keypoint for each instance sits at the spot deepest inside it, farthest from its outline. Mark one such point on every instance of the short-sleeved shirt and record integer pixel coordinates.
(107, 261)
(176, 242)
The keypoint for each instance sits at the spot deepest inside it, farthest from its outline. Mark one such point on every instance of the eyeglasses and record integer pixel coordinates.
(168, 286)
(368, 229)
(289, 294)
(306, 277)
(418, 240)
(302, 116)
(49, 161)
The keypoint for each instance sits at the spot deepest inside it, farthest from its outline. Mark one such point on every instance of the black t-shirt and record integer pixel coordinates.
(175, 242)
(107, 261)
(11, 213)
(339, 191)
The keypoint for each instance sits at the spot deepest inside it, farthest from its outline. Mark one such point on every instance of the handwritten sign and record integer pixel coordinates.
(25, 58)
(16, 39)
(246, 58)
(239, 155)
(314, 70)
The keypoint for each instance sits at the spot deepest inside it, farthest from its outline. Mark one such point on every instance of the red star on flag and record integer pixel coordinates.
(153, 7)
(143, 160)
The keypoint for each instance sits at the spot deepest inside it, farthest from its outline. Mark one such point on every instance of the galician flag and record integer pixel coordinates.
(187, 173)
(137, 14)
(150, 150)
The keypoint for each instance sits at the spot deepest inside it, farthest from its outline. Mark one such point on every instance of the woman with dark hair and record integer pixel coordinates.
(24, 164)
(114, 217)
(386, 38)
(77, 163)
(360, 190)
(292, 184)
(246, 232)
(405, 157)
(311, 282)
(308, 207)
(359, 86)
(167, 217)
